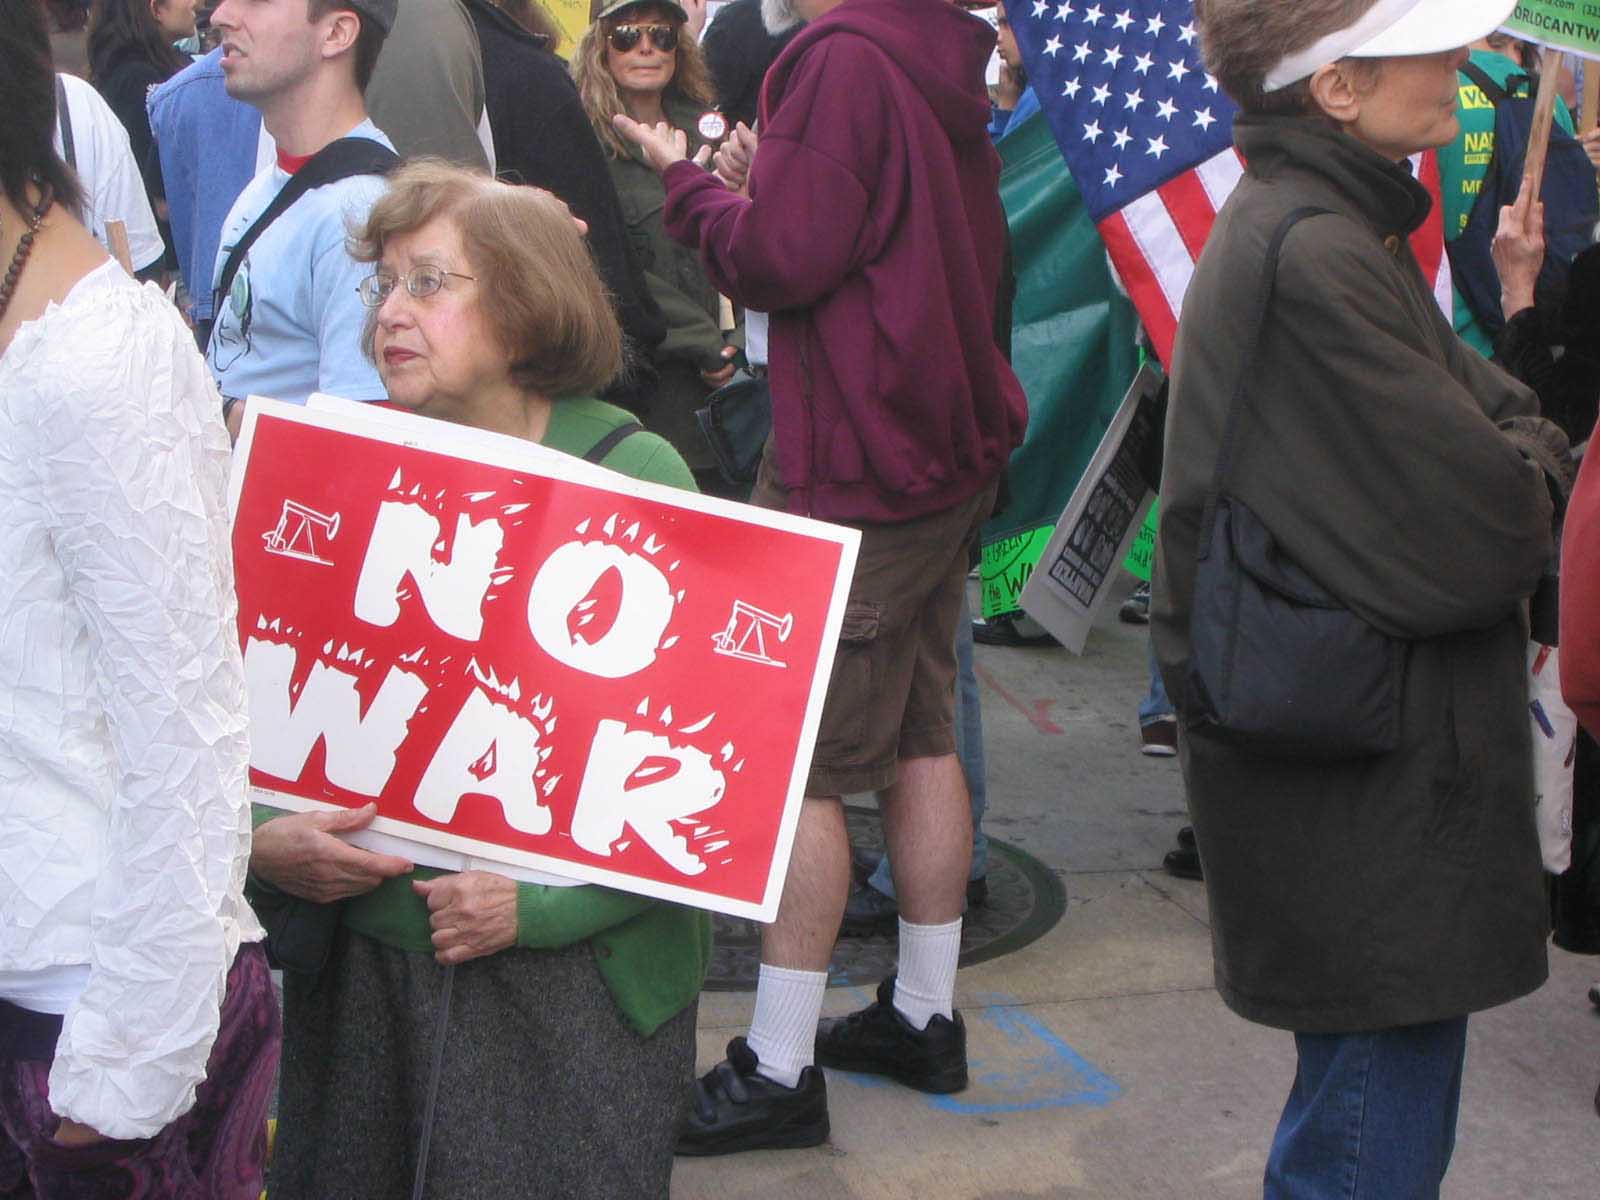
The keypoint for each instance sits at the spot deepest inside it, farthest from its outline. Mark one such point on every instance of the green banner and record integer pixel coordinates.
(1007, 563)
(1072, 345)
(1141, 559)
(1561, 24)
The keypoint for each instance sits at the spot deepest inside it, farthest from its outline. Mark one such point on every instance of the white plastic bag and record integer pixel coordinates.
(1555, 743)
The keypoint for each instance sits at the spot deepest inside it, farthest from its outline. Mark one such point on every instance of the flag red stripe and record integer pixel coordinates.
(1160, 322)
(1189, 205)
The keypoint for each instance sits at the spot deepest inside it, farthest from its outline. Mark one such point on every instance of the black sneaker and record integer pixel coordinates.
(879, 1041)
(732, 1109)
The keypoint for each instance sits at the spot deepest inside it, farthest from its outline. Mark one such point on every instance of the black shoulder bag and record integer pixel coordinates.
(1278, 666)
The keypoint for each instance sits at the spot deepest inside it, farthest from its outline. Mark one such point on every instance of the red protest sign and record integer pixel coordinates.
(528, 660)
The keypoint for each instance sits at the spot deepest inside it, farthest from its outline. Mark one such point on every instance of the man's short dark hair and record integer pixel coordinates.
(368, 42)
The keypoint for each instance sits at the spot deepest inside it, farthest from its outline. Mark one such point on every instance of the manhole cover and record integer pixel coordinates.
(1025, 902)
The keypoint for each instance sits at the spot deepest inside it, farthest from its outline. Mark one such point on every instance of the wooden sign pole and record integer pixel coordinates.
(117, 235)
(1544, 109)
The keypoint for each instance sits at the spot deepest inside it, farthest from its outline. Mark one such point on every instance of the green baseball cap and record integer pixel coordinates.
(600, 9)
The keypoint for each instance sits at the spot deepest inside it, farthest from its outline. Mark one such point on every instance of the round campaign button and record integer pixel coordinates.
(713, 126)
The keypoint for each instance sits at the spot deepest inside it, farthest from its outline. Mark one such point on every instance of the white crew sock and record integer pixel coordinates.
(925, 981)
(783, 1033)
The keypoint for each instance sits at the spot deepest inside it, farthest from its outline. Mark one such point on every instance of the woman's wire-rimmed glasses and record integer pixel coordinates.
(421, 281)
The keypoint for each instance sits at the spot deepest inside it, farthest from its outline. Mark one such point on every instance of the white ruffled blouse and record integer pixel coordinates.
(124, 818)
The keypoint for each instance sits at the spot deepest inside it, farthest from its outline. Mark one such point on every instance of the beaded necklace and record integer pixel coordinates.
(24, 247)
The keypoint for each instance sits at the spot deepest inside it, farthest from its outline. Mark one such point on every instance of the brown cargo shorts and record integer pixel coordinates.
(892, 692)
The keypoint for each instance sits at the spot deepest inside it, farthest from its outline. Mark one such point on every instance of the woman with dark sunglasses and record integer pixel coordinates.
(640, 57)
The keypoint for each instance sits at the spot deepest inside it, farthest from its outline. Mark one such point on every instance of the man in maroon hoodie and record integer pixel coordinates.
(872, 233)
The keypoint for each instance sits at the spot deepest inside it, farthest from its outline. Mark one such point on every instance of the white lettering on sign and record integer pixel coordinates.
(600, 609)
(360, 750)
(403, 543)
(488, 751)
(640, 778)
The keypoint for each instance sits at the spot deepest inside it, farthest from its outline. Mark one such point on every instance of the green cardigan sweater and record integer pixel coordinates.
(652, 954)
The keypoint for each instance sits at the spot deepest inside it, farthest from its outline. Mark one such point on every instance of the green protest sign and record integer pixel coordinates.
(1141, 560)
(1007, 563)
(1561, 24)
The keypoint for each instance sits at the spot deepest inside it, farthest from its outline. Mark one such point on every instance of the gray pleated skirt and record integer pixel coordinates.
(545, 1090)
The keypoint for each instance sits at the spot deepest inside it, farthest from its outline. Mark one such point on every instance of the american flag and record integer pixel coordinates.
(1148, 136)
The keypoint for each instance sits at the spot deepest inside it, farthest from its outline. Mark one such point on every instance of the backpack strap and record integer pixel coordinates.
(598, 452)
(64, 122)
(339, 159)
(1487, 86)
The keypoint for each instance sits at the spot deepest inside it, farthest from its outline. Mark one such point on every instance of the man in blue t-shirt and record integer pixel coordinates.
(291, 321)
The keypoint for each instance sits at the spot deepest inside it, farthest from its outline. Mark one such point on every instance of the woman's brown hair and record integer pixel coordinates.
(601, 100)
(538, 285)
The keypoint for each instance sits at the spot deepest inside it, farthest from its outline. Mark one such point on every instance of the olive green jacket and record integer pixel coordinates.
(1406, 887)
(679, 286)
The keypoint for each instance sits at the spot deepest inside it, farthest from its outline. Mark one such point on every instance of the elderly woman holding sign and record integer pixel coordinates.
(1357, 505)
(534, 1038)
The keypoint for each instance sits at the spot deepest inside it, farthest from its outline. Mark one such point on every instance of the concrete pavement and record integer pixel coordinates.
(1103, 1063)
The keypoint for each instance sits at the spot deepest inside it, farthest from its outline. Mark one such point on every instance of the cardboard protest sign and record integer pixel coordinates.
(1572, 25)
(530, 663)
(1069, 587)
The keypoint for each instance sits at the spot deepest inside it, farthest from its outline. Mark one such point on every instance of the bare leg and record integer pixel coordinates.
(927, 820)
(807, 926)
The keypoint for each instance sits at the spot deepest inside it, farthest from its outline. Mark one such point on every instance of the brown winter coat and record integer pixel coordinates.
(1403, 888)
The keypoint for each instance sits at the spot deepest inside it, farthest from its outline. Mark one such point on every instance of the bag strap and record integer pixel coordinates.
(598, 452)
(64, 121)
(1487, 86)
(339, 159)
(1258, 321)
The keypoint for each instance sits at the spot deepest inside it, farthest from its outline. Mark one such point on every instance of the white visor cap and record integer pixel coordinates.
(1396, 29)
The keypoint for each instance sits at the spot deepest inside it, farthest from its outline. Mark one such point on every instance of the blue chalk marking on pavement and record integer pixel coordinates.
(1042, 1072)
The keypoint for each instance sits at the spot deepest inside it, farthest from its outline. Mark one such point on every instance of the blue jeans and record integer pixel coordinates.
(1371, 1116)
(969, 749)
(1154, 706)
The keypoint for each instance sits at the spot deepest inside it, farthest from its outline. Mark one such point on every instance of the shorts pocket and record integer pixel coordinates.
(850, 687)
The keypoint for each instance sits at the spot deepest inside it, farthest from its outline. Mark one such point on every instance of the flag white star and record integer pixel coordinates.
(1153, 26)
(1122, 137)
(1053, 47)
(1186, 34)
(1143, 63)
(1040, 7)
(1113, 56)
(1113, 176)
(1093, 15)
(1081, 52)
(1166, 110)
(1177, 70)
(1064, 11)
(1124, 19)
(1092, 131)
(1101, 95)
(1158, 147)
(1211, 83)
(1204, 120)
(1133, 100)
(1072, 88)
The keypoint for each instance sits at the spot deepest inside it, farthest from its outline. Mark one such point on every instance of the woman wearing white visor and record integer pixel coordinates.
(1366, 898)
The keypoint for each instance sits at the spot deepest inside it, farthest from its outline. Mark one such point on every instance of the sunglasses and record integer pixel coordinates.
(625, 37)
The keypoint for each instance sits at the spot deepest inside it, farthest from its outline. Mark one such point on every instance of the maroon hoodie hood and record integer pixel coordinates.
(874, 236)
(942, 48)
